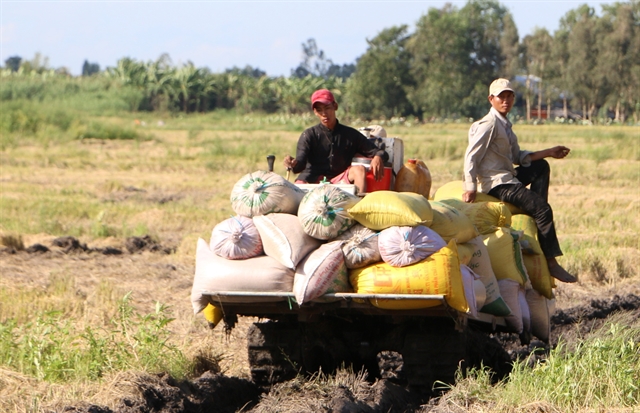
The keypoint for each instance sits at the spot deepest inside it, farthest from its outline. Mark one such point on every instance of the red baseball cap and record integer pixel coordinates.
(323, 96)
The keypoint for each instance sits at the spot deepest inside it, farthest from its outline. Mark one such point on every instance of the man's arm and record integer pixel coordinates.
(557, 152)
(297, 164)
(479, 138)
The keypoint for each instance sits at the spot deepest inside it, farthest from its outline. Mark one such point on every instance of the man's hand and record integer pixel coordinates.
(377, 168)
(289, 162)
(559, 152)
(469, 196)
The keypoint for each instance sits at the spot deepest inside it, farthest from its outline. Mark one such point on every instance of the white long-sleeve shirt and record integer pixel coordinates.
(493, 150)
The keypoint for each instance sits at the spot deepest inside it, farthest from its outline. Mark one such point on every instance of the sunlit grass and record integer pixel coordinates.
(600, 373)
(174, 180)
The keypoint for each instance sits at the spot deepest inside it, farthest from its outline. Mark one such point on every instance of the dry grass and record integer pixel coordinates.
(176, 187)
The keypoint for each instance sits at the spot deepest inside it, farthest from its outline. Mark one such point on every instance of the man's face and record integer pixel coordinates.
(503, 102)
(326, 113)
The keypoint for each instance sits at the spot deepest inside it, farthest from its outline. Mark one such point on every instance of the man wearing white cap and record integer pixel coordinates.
(489, 168)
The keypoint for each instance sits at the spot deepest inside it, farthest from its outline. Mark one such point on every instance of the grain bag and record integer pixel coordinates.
(213, 315)
(485, 216)
(480, 293)
(465, 252)
(541, 310)
(509, 290)
(322, 271)
(437, 274)
(468, 277)
(451, 223)
(383, 209)
(526, 314)
(535, 262)
(262, 192)
(323, 212)
(236, 238)
(480, 263)
(258, 274)
(360, 246)
(506, 256)
(284, 239)
(454, 190)
(402, 246)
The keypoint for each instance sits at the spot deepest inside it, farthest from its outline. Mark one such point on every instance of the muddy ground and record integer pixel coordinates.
(157, 272)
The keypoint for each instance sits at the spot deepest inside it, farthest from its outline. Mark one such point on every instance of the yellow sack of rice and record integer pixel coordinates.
(450, 223)
(323, 212)
(465, 252)
(383, 209)
(506, 255)
(486, 216)
(262, 192)
(437, 274)
(535, 263)
(454, 190)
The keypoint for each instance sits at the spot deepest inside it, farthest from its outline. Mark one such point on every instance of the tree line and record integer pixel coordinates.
(588, 68)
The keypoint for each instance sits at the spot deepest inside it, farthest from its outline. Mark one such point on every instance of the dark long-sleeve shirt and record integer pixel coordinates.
(324, 152)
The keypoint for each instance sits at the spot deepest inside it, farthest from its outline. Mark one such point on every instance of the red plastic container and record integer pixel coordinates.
(382, 185)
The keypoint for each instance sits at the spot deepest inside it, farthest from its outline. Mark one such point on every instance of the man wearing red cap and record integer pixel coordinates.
(489, 167)
(326, 149)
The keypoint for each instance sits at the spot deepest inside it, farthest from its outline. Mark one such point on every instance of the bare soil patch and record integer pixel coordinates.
(155, 272)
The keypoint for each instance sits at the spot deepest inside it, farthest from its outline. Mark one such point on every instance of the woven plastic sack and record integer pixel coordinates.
(535, 263)
(468, 277)
(506, 255)
(360, 246)
(480, 263)
(451, 223)
(402, 246)
(509, 290)
(323, 212)
(383, 209)
(258, 274)
(541, 310)
(480, 292)
(236, 238)
(284, 239)
(486, 216)
(454, 190)
(322, 271)
(262, 192)
(437, 274)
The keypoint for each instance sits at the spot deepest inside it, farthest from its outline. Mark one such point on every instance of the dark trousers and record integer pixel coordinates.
(533, 202)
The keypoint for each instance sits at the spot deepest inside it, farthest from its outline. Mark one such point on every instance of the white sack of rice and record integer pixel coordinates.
(236, 238)
(258, 274)
(402, 246)
(263, 192)
(284, 239)
(323, 212)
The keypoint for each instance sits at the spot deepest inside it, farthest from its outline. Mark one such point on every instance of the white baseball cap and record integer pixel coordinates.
(498, 86)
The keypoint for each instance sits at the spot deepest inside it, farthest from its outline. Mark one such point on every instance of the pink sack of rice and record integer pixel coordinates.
(236, 238)
(402, 246)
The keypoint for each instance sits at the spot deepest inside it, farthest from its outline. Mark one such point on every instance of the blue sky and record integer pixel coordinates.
(222, 34)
